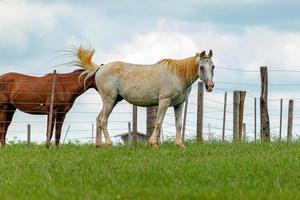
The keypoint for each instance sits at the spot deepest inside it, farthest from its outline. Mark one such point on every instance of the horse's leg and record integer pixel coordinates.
(178, 122)
(6, 118)
(162, 109)
(10, 114)
(51, 129)
(107, 109)
(98, 131)
(2, 127)
(60, 117)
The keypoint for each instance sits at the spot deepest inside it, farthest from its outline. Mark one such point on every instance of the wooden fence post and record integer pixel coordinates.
(151, 118)
(280, 120)
(290, 120)
(255, 135)
(264, 115)
(244, 132)
(28, 134)
(66, 134)
(210, 135)
(200, 105)
(184, 118)
(134, 125)
(92, 134)
(241, 113)
(129, 133)
(224, 116)
(236, 114)
(51, 109)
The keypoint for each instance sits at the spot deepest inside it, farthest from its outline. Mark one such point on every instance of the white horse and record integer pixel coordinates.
(165, 83)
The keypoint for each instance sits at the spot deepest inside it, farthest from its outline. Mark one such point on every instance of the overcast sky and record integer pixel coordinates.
(243, 34)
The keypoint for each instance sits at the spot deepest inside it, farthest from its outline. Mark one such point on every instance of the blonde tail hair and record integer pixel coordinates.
(84, 60)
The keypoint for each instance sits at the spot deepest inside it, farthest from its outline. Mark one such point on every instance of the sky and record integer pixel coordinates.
(243, 35)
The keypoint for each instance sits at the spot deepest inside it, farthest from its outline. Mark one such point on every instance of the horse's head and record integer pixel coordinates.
(205, 68)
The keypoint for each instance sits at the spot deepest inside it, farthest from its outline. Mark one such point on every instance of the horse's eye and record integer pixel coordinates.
(213, 67)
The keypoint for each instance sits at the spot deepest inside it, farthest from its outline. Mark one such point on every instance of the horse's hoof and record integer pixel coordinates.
(181, 146)
(152, 142)
(109, 145)
(153, 145)
(47, 146)
(98, 146)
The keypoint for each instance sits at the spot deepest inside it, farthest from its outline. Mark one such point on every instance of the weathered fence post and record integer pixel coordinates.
(151, 118)
(236, 114)
(92, 134)
(224, 116)
(28, 134)
(200, 104)
(210, 135)
(184, 118)
(290, 120)
(264, 115)
(134, 125)
(51, 110)
(244, 132)
(255, 135)
(66, 134)
(129, 133)
(241, 113)
(280, 120)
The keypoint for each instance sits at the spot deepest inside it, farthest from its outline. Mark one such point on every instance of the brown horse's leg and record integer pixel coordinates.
(51, 129)
(9, 117)
(5, 118)
(2, 127)
(58, 126)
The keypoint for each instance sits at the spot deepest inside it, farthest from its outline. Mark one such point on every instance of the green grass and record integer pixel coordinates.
(201, 171)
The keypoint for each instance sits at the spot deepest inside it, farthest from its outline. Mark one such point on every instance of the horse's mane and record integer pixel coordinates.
(185, 69)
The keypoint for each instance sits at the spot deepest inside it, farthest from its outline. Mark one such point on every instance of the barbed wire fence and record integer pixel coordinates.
(80, 125)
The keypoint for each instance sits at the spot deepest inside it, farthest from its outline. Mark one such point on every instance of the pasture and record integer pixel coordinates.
(210, 170)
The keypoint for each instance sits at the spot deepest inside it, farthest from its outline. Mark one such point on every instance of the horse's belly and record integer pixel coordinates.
(141, 97)
(31, 104)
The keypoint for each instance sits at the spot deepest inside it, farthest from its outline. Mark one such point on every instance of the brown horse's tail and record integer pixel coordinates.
(84, 60)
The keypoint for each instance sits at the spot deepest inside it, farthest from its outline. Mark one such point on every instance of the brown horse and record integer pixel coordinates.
(33, 95)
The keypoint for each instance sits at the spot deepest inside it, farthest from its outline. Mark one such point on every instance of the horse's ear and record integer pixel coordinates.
(201, 55)
(210, 54)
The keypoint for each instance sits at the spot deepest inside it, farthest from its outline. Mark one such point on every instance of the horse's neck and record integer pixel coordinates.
(185, 70)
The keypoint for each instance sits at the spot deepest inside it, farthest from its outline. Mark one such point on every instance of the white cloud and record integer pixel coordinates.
(20, 19)
(254, 47)
(250, 49)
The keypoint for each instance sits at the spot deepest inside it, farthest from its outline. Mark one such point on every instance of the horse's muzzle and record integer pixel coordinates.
(209, 86)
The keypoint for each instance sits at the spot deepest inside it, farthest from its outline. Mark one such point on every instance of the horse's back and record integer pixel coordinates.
(138, 84)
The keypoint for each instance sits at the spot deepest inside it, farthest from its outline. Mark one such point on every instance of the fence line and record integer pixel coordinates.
(213, 109)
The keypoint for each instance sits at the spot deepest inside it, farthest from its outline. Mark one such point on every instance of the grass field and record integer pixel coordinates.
(201, 171)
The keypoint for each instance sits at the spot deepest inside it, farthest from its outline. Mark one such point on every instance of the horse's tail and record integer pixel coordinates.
(84, 60)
